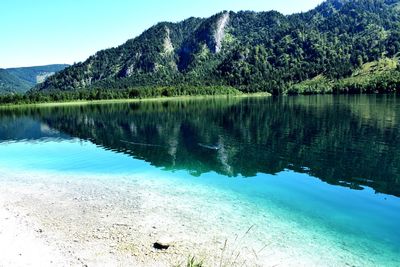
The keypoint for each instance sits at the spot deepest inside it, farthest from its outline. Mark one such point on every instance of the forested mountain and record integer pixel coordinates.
(20, 80)
(251, 51)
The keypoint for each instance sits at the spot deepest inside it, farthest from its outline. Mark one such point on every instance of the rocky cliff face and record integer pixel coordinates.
(220, 31)
(41, 77)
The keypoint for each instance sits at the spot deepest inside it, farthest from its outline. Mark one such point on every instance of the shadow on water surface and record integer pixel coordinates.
(352, 141)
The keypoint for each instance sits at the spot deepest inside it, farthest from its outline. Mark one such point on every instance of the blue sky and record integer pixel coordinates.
(39, 32)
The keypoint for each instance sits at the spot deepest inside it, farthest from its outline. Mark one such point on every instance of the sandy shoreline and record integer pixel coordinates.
(21, 244)
(66, 222)
(52, 219)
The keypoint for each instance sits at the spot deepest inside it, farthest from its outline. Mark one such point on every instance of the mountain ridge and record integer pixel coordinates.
(252, 51)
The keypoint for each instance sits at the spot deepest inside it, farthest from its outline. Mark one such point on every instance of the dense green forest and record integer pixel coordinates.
(253, 52)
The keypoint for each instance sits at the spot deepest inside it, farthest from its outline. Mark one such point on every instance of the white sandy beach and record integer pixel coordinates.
(49, 219)
(21, 243)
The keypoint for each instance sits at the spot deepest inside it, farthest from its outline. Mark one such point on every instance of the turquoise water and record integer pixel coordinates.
(325, 166)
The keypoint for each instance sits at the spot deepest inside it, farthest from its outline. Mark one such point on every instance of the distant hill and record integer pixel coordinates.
(264, 51)
(35, 75)
(12, 84)
(20, 80)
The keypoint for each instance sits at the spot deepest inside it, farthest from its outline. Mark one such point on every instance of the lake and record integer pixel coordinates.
(315, 179)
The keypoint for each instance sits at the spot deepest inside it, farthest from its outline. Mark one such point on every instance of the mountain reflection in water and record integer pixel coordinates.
(351, 141)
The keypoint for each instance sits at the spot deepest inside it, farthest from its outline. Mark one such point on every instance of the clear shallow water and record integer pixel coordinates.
(324, 166)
